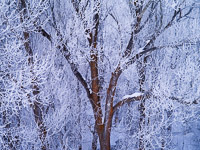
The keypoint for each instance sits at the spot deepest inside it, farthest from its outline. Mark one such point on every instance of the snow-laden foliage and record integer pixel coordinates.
(81, 74)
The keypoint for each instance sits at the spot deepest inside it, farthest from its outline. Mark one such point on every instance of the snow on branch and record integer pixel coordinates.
(133, 95)
(130, 98)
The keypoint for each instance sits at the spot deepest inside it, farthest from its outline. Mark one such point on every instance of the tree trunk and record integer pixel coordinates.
(36, 106)
(105, 142)
(142, 124)
(104, 139)
(104, 134)
(141, 71)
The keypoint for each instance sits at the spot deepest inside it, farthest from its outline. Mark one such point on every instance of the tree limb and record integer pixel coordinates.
(129, 47)
(131, 99)
(74, 69)
(148, 50)
(180, 100)
(44, 33)
(154, 37)
(67, 55)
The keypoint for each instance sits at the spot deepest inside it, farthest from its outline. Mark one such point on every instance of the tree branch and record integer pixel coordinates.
(145, 8)
(67, 55)
(74, 69)
(129, 47)
(154, 37)
(131, 99)
(147, 50)
(180, 100)
(136, 57)
(44, 33)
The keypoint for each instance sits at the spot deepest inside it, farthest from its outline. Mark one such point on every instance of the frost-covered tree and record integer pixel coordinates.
(19, 79)
(126, 59)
